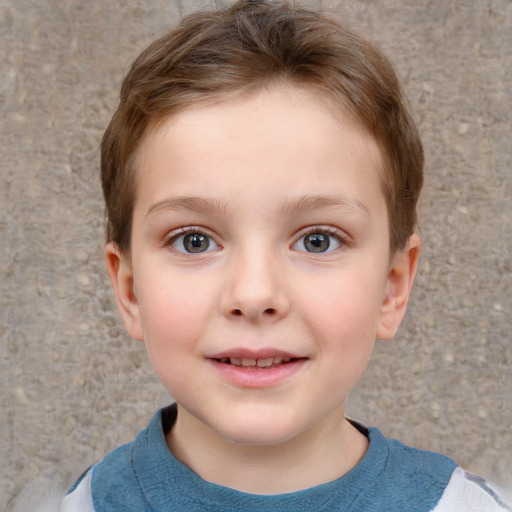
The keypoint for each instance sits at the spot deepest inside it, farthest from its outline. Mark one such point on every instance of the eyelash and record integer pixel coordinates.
(173, 237)
(331, 232)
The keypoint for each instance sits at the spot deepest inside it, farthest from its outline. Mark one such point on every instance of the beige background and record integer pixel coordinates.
(73, 385)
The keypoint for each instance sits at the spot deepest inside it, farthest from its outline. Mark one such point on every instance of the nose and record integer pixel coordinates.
(254, 288)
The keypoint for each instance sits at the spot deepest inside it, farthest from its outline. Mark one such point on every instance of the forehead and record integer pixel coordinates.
(284, 135)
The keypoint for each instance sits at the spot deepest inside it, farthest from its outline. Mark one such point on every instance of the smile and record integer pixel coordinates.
(256, 364)
(249, 369)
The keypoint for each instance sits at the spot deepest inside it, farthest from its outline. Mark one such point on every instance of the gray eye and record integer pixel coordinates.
(317, 242)
(196, 242)
(193, 242)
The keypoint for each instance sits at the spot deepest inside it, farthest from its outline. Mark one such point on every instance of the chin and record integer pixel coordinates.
(258, 433)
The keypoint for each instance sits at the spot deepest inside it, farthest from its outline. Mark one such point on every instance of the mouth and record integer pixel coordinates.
(257, 369)
(266, 363)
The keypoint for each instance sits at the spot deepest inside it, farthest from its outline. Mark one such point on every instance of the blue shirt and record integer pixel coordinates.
(144, 476)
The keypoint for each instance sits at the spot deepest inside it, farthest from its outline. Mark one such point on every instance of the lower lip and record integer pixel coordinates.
(257, 378)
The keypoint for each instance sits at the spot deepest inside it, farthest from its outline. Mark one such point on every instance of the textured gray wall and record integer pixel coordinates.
(73, 385)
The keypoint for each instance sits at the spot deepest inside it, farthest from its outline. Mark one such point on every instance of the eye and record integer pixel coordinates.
(320, 241)
(192, 242)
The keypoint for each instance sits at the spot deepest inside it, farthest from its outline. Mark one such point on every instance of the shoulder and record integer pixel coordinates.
(114, 483)
(413, 470)
(125, 478)
(393, 476)
(415, 479)
(466, 492)
(111, 482)
(79, 498)
(413, 461)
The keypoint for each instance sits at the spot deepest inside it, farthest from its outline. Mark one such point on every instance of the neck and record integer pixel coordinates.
(324, 453)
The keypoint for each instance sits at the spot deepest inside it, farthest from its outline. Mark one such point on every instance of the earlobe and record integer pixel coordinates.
(399, 283)
(119, 268)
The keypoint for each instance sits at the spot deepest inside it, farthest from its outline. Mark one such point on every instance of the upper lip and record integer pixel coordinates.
(246, 353)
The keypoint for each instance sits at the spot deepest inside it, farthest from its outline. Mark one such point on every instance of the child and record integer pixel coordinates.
(261, 175)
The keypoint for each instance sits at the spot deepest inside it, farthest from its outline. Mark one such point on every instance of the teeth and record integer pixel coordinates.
(252, 363)
(265, 362)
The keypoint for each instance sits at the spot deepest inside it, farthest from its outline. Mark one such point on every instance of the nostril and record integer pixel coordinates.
(268, 311)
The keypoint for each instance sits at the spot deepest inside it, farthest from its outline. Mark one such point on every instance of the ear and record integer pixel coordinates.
(119, 268)
(398, 287)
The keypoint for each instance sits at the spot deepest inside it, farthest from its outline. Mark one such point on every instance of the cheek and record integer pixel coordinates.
(173, 322)
(173, 310)
(346, 328)
(346, 313)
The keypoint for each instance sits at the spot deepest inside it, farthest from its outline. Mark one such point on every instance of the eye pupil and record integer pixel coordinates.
(317, 242)
(196, 242)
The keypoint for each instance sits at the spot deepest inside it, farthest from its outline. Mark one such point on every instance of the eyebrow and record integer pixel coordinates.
(314, 202)
(197, 204)
(290, 207)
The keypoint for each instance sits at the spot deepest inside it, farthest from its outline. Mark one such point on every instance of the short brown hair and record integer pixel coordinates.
(252, 44)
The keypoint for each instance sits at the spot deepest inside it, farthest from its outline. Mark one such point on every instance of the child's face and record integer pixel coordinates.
(260, 237)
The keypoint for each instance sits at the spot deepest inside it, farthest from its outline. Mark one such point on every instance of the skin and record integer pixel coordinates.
(252, 176)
